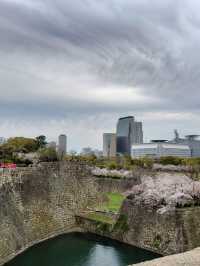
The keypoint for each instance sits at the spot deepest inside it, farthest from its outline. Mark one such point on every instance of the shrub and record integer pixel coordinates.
(170, 160)
(157, 241)
(194, 165)
(148, 162)
(21, 161)
(48, 155)
(138, 162)
(144, 162)
(111, 165)
(122, 224)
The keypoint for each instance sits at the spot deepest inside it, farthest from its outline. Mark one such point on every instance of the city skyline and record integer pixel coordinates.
(77, 67)
(109, 140)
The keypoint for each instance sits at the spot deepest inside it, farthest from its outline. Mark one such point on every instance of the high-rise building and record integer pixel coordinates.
(128, 132)
(62, 145)
(109, 145)
(137, 132)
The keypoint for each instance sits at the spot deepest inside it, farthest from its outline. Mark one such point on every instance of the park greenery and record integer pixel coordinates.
(107, 214)
(117, 163)
(113, 202)
(47, 155)
(15, 150)
(127, 163)
(104, 211)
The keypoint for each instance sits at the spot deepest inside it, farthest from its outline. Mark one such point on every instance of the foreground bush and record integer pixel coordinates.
(170, 160)
(48, 155)
(194, 166)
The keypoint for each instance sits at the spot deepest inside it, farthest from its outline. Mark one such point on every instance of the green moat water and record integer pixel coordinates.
(81, 250)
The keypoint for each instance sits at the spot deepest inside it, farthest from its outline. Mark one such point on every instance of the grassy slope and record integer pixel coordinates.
(114, 202)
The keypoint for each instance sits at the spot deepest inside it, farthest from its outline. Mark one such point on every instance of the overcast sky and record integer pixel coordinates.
(74, 67)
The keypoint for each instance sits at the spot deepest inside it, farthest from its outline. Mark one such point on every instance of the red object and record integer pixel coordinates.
(8, 165)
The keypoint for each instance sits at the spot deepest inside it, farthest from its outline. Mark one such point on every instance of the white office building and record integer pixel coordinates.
(160, 149)
(191, 140)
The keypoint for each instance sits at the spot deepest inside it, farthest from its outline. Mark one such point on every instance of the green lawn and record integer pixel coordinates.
(101, 218)
(114, 202)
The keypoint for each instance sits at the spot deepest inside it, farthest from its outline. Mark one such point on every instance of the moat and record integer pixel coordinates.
(81, 250)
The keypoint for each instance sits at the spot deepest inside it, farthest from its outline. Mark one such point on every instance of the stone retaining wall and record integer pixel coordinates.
(115, 185)
(38, 203)
(174, 231)
(169, 233)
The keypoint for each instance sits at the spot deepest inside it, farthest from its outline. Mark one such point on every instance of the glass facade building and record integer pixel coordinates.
(128, 132)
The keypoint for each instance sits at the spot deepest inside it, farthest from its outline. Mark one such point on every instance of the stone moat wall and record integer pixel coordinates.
(165, 234)
(174, 231)
(39, 203)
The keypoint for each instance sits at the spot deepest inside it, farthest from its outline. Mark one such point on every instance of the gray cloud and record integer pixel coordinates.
(61, 59)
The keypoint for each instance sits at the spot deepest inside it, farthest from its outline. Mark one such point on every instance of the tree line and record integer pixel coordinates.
(15, 150)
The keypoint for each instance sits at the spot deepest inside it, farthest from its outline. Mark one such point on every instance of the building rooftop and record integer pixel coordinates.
(121, 118)
(158, 140)
(192, 137)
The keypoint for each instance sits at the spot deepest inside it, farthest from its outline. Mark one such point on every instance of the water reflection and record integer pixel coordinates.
(107, 255)
(81, 250)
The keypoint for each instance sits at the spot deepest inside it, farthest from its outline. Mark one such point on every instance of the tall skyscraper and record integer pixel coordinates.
(62, 146)
(109, 145)
(128, 132)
